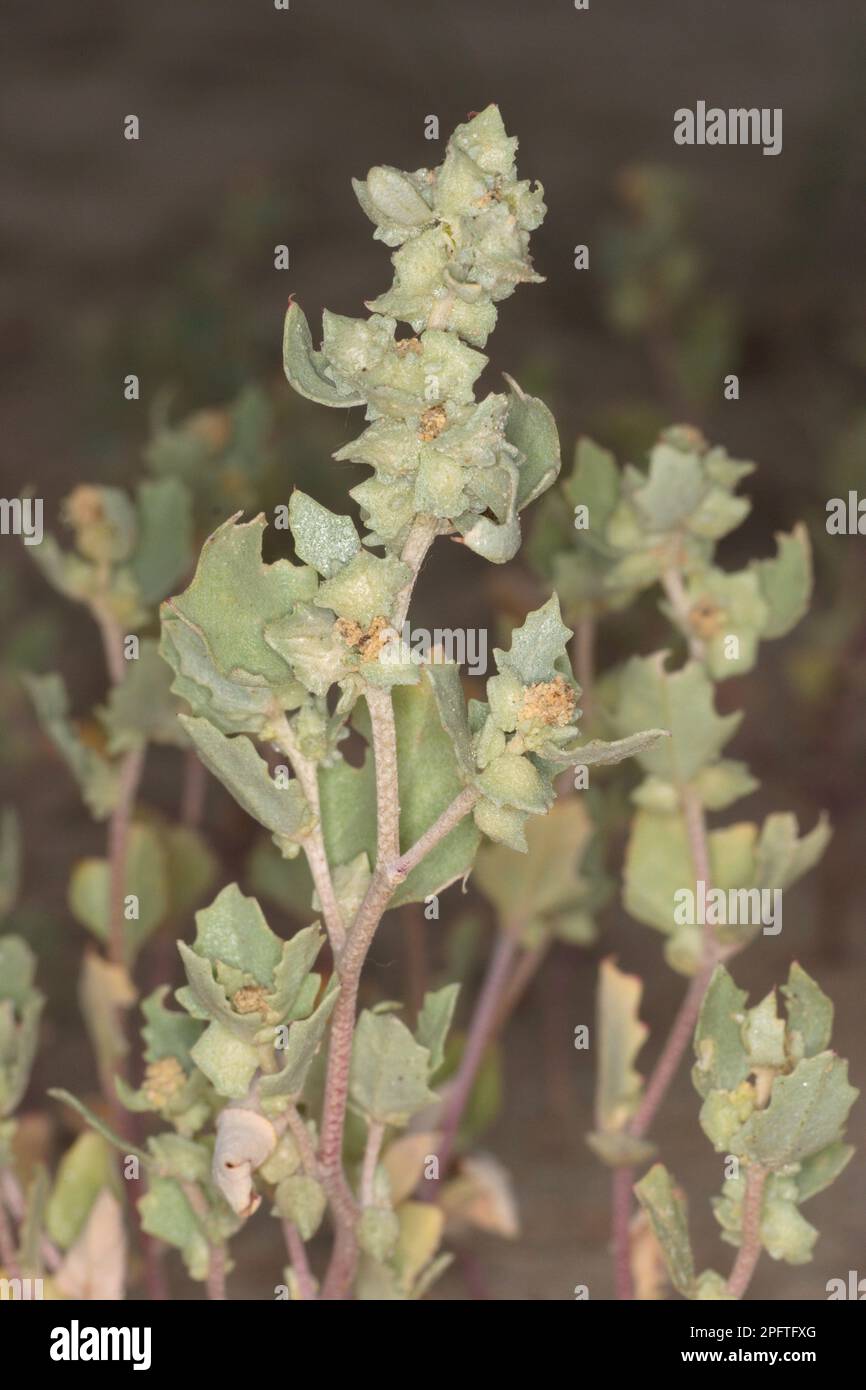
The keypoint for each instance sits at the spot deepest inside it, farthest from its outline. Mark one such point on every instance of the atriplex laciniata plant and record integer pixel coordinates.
(775, 1100)
(294, 656)
(271, 1083)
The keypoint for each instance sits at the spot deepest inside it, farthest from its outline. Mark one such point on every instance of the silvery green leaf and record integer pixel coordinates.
(17, 971)
(356, 348)
(163, 548)
(725, 607)
(723, 1115)
(786, 1234)
(781, 857)
(429, 781)
(391, 447)
(293, 968)
(146, 877)
(501, 824)
(718, 514)
(764, 1034)
(658, 865)
(393, 198)
(234, 595)
(807, 1111)
(810, 1014)
(227, 1061)
(365, 588)
(460, 182)
(235, 762)
(549, 880)
(821, 1169)
(505, 694)
(621, 1035)
(440, 486)
(387, 509)
(531, 429)
(19, 1039)
(483, 138)
(322, 539)
(444, 680)
(233, 931)
(420, 273)
(246, 705)
(681, 702)
(166, 1032)
(95, 1122)
(141, 708)
(786, 581)
(537, 645)
(308, 644)
(96, 777)
(599, 752)
(304, 1040)
(665, 1206)
(595, 484)
(453, 367)
(85, 1168)
(301, 1200)
(388, 1078)
(65, 571)
(673, 489)
(307, 370)
(434, 1020)
(718, 785)
(378, 1232)
(167, 1215)
(513, 780)
(712, 1287)
(180, 1158)
(492, 541)
(722, 1062)
(284, 1162)
(205, 998)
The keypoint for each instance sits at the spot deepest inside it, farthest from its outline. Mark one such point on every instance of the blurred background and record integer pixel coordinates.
(156, 257)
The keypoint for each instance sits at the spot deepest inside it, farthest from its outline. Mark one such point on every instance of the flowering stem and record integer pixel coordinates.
(303, 1142)
(672, 583)
(422, 533)
(750, 1248)
(381, 710)
(386, 877)
(216, 1266)
(481, 1029)
(313, 842)
(300, 1264)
